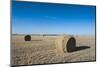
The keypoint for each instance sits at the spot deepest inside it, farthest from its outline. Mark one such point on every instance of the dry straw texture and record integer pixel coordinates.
(61, 44)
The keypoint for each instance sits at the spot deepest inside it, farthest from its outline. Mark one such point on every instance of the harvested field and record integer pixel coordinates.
(42, 50)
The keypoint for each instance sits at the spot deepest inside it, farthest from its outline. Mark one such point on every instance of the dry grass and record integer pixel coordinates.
(42, 50)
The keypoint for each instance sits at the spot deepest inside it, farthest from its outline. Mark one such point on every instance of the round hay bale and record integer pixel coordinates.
(27, 38)
(64, 44)
(71, 44)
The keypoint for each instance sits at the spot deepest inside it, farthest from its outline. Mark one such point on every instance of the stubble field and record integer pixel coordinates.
(42, 50)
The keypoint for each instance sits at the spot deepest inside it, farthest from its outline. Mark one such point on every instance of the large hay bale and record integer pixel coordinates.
(27, 38)
(71, 44)
(64, 44)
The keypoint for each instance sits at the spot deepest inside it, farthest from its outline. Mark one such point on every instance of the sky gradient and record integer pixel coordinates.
(43, 18)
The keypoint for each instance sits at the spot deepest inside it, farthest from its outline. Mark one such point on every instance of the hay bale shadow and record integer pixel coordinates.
(36, 40)
(71, 45)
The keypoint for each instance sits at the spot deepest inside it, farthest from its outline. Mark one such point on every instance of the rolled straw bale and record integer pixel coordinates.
(64, 44)
(27, 38)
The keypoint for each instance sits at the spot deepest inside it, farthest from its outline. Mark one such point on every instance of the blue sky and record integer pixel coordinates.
(43, 18)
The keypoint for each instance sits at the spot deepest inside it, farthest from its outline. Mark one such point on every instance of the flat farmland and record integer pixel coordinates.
(42, 50)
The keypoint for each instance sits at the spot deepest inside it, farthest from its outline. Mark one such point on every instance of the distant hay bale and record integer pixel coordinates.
(64, 44)
(27, 38)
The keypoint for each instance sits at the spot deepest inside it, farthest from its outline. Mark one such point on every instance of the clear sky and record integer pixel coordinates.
(43, 18)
